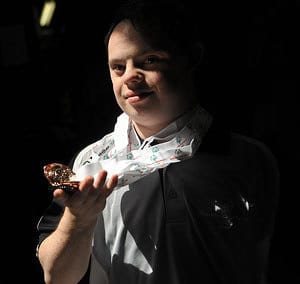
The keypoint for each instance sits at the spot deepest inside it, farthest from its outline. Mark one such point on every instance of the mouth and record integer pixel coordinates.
(137, 97)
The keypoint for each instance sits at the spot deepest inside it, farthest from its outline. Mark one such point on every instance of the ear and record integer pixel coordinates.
(196, 54)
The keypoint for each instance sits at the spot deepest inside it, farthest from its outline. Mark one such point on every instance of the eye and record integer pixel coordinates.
(118, 69)
(152, 59)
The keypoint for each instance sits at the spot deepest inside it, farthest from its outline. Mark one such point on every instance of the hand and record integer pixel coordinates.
(90, 197)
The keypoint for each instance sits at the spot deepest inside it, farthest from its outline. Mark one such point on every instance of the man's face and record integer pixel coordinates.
(149, 85)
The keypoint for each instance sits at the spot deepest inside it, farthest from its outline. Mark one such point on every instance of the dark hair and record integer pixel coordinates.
(167, 25)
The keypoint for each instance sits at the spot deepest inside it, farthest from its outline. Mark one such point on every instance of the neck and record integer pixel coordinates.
(144, 131)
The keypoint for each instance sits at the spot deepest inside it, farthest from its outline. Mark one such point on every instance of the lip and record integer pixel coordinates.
(139, 93)
(134, 97)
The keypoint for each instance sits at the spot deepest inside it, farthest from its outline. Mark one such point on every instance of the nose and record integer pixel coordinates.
(133, 76)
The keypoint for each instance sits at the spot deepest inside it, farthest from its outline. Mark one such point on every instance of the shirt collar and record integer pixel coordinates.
(170, 130)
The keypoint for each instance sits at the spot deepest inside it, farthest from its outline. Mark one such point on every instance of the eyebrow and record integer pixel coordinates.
(143, 54)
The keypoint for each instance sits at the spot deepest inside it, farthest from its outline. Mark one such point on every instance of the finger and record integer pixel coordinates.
(112, 182)
(60, 195)
(100, 179)
(86, 183)
(110, 185)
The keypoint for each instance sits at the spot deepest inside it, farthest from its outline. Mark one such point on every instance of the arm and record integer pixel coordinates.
(64, 255)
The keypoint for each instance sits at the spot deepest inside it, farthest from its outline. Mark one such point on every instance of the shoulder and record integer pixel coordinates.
(252, 148)
(246, 142)
(222, 143)
(225, 157)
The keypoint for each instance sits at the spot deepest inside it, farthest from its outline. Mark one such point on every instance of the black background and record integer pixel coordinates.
(56, 97)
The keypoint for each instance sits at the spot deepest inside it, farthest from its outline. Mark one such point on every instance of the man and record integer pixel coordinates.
(168, 196)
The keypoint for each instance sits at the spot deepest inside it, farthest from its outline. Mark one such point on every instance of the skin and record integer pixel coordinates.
(153, 88)
(64, 255)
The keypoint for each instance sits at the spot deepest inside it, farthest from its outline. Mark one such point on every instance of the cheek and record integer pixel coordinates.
(157, 80)
(166, 84)
(174, 76)
(116, 87)
(157, 77)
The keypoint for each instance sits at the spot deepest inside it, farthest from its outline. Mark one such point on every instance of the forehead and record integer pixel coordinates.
(125, 33)
(156, 33)
(124, 29)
